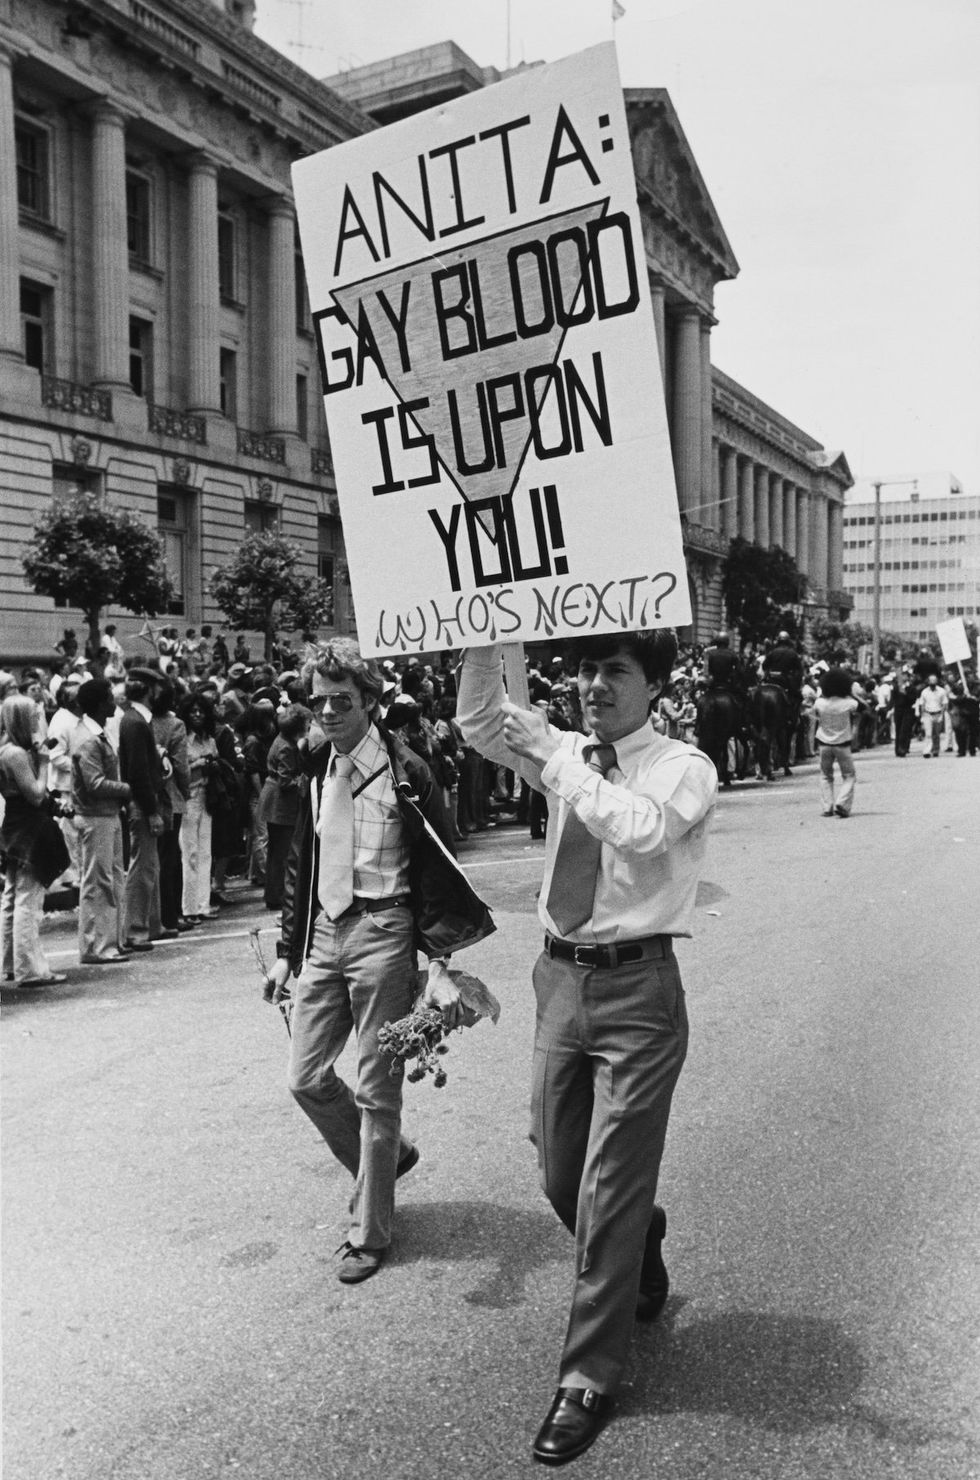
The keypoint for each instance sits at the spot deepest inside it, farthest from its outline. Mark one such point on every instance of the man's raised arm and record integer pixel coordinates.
(480, 713)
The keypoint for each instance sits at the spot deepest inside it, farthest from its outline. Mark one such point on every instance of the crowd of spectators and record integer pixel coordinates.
(227, 733)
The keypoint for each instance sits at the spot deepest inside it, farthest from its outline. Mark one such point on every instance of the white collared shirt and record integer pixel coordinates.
(650, 812)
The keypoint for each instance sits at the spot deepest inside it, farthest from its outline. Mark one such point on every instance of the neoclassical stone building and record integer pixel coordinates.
(155, 342)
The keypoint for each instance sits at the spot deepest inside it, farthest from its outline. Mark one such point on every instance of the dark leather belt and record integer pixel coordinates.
(362, 906)
(650, 948)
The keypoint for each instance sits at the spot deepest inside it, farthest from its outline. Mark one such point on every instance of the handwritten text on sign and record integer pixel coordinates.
(490, 369)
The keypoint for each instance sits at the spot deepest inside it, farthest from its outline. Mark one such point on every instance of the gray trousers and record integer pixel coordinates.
(361, 973)
(101, 885)
(142, 894)
(609, 1047)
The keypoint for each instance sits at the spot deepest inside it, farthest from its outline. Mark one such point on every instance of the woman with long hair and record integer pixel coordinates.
(29, 845)
(197, 712)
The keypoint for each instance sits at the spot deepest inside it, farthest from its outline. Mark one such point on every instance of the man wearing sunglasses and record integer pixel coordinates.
(370, 879)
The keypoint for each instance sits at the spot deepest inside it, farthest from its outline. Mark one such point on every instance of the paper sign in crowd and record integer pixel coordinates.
(490, 367)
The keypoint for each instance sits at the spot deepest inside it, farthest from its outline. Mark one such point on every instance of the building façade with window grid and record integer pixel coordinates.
(929, 568)
(155, 340)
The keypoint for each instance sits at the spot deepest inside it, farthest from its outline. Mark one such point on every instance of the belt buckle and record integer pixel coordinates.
(577, 959)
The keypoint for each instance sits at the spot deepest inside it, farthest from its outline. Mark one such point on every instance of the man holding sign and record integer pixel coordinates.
(624, 847)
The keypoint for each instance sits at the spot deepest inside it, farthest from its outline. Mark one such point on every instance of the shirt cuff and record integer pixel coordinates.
(555, 773)
(483, 659)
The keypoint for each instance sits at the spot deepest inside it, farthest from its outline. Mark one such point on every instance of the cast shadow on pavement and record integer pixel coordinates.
(518, 1243)
(782, 1372)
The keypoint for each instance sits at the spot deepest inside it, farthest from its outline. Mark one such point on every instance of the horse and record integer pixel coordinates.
(719, 723)
(771, 719)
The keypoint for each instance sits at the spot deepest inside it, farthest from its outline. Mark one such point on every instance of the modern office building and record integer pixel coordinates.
(155, 342)
(929, 557)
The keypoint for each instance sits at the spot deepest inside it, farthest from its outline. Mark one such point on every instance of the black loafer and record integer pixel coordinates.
(654, 1284)
(574, 1420)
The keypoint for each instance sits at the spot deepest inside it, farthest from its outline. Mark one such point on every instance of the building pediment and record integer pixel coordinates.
(835, 464)
(669, 181)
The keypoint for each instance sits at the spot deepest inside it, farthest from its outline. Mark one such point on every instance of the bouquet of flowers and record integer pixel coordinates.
(421, 1034)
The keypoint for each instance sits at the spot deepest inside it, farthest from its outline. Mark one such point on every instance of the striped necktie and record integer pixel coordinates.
(335, 881)
(576, 869)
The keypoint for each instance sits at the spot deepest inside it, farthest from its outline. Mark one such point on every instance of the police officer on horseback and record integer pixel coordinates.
(783, 665)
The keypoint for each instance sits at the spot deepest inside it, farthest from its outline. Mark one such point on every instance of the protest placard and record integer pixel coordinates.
(953, 640)
(492, 381)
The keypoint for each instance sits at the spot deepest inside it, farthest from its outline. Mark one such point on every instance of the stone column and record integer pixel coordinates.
(776, 532)
(203, 303)
(746, 499)
(803, 531)
(789, 517)
(818, 539)
(282, 318)
(660, 323)
(835, 546)
(708, 513)
(110, 306)
(762, 507)
(687, 414)
(729, 492)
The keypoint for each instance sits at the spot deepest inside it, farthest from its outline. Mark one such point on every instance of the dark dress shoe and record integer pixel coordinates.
(573, 1422)
(183, 925)
(139, 945)
(407, 1162)
(169, 932)
(654, 1284)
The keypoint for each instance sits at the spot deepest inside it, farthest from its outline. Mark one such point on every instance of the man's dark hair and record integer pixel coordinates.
(164, 699)
(137, 690)
(656, 652)
(93, 696)
(342, 659)
(836, 683)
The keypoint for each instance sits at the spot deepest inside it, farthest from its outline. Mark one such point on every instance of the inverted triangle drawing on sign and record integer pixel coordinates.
(469, 338)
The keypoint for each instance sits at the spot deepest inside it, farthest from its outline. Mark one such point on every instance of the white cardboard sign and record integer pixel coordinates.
(489, 358)
(953, 640)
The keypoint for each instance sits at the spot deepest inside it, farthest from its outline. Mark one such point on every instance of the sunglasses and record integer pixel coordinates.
(340, 703)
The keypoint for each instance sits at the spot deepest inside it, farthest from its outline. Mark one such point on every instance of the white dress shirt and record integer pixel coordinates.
(650, 812)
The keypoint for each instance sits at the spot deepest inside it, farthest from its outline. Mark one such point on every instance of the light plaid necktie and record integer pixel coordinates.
(335, 881)
(576, 870)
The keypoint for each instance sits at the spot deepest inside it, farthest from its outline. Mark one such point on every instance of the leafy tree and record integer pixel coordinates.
(92, 556)
(264, 589)
(761, 587)
(839, 642)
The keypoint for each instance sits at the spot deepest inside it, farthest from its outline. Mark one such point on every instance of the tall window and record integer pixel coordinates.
(303, 318)
(329, 543)
(227, 275)
(261, 518)
(228, 385)
(173, 526)
(32, 146)
(141, 357)
(36, 315)
(139, 236)
(302, 406)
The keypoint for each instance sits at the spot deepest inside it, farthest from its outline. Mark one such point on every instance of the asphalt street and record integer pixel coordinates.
(170, 1310)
